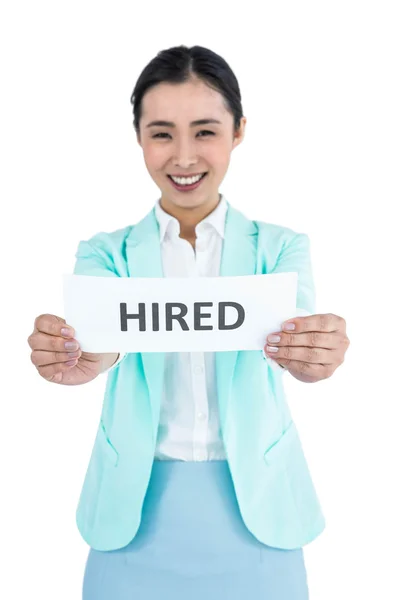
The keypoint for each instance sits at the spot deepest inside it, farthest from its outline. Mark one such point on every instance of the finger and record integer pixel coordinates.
(42, 358)
(312, 339)
(305, 354)
(54, 372)
(51, 343)
(323, 323)
(53, 325)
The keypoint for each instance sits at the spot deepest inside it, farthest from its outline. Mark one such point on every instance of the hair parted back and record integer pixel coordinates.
(181, 63)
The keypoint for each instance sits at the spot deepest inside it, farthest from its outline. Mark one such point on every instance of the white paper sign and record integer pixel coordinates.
(191, 314)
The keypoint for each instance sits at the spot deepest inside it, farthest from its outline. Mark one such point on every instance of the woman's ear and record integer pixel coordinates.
(239, 133)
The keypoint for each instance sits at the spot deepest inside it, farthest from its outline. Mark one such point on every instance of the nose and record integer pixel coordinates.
(184, 154)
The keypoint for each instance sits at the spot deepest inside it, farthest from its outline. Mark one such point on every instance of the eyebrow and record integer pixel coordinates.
(192, 124)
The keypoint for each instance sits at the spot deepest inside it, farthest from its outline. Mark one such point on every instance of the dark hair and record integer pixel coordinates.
(180, 64)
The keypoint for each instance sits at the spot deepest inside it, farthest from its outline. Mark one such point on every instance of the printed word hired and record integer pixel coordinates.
(141, 316)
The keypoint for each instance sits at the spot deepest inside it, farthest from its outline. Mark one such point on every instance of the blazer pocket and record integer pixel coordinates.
(106, 445)
(280, 449)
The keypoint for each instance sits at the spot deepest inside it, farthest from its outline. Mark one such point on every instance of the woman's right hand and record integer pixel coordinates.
(51, 358)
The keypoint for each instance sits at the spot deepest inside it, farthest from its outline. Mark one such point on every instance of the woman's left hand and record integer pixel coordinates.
(314, 349)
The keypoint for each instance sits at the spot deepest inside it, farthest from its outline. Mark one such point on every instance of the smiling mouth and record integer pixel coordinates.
(188, 176)
(187, 187)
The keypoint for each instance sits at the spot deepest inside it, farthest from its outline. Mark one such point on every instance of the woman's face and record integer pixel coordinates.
(180, 147)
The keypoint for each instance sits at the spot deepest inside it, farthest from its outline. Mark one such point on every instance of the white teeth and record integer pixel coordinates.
(186, 180)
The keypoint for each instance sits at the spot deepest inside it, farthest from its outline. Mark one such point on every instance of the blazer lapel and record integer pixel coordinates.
(239, 252)
(143, 255)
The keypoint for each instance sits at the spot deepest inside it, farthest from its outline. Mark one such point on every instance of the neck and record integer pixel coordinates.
(189, 217)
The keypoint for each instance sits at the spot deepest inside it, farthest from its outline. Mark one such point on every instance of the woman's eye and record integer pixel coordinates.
(206, 131)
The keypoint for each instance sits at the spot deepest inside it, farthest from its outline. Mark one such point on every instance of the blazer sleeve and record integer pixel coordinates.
(93, 260)
(295, 256)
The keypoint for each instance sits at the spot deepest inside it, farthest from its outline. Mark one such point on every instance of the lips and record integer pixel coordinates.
(187, 176)
(187, 188)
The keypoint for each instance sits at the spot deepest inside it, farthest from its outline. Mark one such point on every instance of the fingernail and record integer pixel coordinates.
(71, 346)
(272, 349)
(66, 332)
(289, 326)
(274, 338)
(71, 362)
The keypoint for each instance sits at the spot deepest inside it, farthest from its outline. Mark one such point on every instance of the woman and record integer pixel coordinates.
(197, 484)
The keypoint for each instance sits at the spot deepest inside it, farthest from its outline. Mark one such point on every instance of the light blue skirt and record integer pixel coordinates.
(192, 544)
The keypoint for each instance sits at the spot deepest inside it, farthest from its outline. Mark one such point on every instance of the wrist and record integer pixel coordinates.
(108, 360)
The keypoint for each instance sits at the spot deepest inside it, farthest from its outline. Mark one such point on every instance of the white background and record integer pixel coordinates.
(320, 90)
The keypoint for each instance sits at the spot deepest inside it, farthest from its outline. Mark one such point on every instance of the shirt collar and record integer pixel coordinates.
(169, 223)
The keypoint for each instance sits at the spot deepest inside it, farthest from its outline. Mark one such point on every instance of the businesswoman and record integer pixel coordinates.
(197, 486)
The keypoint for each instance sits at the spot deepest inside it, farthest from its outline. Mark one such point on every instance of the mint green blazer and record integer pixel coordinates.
(275, 492)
